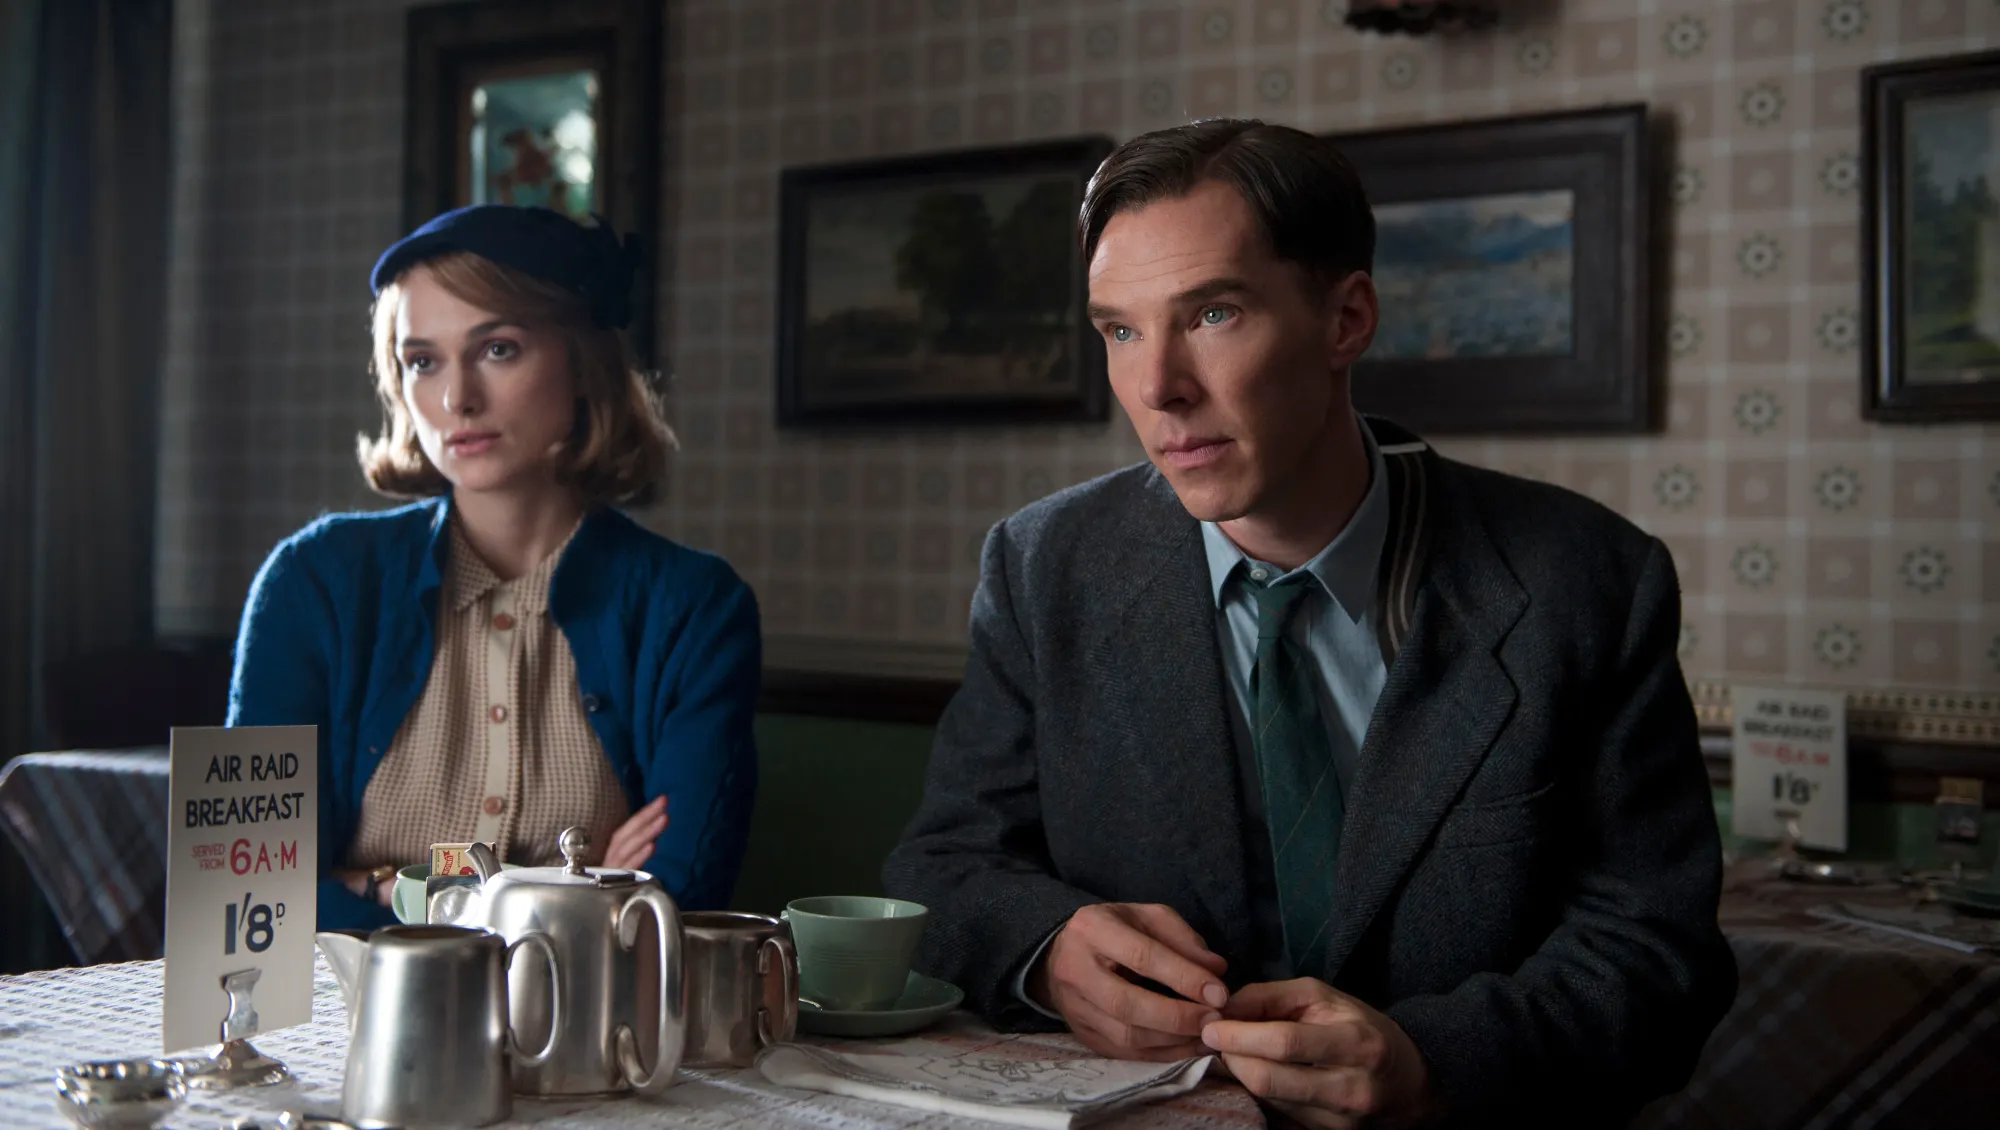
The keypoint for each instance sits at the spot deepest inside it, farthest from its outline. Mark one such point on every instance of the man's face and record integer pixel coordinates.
(1230, 361)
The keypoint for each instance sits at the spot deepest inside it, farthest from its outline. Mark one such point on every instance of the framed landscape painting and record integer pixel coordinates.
(547, 105)
(1930, 140)
(1512, 262)
(938, 288)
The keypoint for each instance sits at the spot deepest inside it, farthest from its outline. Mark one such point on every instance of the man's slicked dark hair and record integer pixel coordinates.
(1304, 193)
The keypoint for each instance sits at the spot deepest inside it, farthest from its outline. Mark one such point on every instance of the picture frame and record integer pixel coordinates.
(1930, 333)
(942, 288)
(1523, 307)
(524, 102)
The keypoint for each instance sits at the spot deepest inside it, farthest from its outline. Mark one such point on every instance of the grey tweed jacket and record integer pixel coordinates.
(1530, 864)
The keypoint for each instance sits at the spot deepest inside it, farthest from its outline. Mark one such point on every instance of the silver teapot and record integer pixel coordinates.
(591, 917)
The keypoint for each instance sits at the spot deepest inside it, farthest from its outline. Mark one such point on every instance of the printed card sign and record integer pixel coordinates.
(1790, 763)
(242, 870)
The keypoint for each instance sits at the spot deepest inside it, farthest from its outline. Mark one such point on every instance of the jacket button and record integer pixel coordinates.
(498, 713)
(495, 805)
(502, 621)
(591, 704)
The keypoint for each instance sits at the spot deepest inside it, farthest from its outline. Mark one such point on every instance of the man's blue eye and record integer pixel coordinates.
(1121, 333)
(1214, 316)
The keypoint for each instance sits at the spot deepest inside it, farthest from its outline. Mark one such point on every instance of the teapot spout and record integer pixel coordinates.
(345, 951)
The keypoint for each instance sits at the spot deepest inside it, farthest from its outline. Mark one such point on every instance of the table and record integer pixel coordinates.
(1834, 1025)
(112, 1011)
(1840, 1025)
(92, 827)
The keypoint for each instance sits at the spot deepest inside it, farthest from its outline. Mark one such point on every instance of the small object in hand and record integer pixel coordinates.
(119, 1094)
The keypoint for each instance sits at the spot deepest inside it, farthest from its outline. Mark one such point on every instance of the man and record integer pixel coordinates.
(1371, 771)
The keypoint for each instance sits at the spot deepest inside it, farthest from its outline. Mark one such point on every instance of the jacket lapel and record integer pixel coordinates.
(1162, 635)
(1445, 701)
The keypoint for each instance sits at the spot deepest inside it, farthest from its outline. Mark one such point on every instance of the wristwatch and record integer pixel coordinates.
(376, 877)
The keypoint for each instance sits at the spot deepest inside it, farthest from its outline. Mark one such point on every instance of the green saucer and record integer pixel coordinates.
(925, 1001)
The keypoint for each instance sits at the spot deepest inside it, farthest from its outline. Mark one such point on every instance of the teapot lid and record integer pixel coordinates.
(573, 843)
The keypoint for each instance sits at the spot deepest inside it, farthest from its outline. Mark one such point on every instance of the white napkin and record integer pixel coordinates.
(1053, 1093)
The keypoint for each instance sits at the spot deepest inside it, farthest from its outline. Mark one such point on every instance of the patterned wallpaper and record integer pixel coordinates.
(1812, 547)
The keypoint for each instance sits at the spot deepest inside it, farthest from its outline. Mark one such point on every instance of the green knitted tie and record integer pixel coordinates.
(1302, 801)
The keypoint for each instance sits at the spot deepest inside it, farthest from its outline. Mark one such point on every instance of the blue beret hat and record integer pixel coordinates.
(589, 262)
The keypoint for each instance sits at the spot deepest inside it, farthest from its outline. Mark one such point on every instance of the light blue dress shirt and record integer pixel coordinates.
(1337, 623)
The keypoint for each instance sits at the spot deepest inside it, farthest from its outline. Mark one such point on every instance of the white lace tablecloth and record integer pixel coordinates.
(113, 1012)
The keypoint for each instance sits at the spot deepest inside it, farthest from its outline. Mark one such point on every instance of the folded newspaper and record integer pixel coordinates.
(1055, 1093)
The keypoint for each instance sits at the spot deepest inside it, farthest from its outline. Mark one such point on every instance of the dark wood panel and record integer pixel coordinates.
(872, 698)
(1878, 770)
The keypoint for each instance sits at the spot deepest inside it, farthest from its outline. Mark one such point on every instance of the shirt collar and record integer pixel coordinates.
(1348, 565)
(468, 579)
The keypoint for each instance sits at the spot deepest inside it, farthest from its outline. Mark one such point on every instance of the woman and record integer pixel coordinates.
(511, 655)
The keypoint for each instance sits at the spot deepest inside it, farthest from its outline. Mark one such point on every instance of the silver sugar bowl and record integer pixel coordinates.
(119, 1094)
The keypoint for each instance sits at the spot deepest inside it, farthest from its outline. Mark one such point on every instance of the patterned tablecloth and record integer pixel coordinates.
(113, 1011)
(1842, 1025)
(93, 830)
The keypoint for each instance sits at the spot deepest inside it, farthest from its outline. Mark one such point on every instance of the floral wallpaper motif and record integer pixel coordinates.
(1811, 545)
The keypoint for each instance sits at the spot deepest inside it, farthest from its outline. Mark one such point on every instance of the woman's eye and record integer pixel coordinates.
(417, 364)
(1121, 333)
(1215, 315)
(502, 350)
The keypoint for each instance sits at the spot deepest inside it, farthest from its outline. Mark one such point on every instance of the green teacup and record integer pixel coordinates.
(854, 950)
(406, 898)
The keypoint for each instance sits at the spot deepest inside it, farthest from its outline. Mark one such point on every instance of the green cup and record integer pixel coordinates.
(854, 950)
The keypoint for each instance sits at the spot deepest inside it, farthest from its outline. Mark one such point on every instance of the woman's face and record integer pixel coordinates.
(492, 400)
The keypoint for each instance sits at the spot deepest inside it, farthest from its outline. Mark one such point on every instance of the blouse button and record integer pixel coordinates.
(502, 622)
(591, 704)
(498, 713)
(494, 805)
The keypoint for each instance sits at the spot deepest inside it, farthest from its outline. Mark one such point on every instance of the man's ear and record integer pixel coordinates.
(1352, 313)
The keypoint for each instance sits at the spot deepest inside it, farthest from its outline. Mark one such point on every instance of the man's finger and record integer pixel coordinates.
(1348, 1043)
(1164, 923)
(1081, 1012)
(1122, 944)
(1280, 1000)
(1141, 1007)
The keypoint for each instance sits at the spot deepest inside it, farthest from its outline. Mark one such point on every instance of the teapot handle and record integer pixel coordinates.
(788, 983)
(673, 1009)
(522, 1059)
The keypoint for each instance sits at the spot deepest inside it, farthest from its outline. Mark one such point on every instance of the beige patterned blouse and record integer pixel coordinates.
(497, 748)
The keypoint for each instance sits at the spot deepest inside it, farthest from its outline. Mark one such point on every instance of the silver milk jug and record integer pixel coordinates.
(429, 1044)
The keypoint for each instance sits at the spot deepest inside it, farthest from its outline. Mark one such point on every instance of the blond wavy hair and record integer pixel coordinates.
(618, 450)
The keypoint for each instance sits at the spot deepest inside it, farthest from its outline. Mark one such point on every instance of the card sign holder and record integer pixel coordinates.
(242, 886)
(1789, 766)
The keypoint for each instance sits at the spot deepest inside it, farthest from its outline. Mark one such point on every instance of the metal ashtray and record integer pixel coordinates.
(119, 1094)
